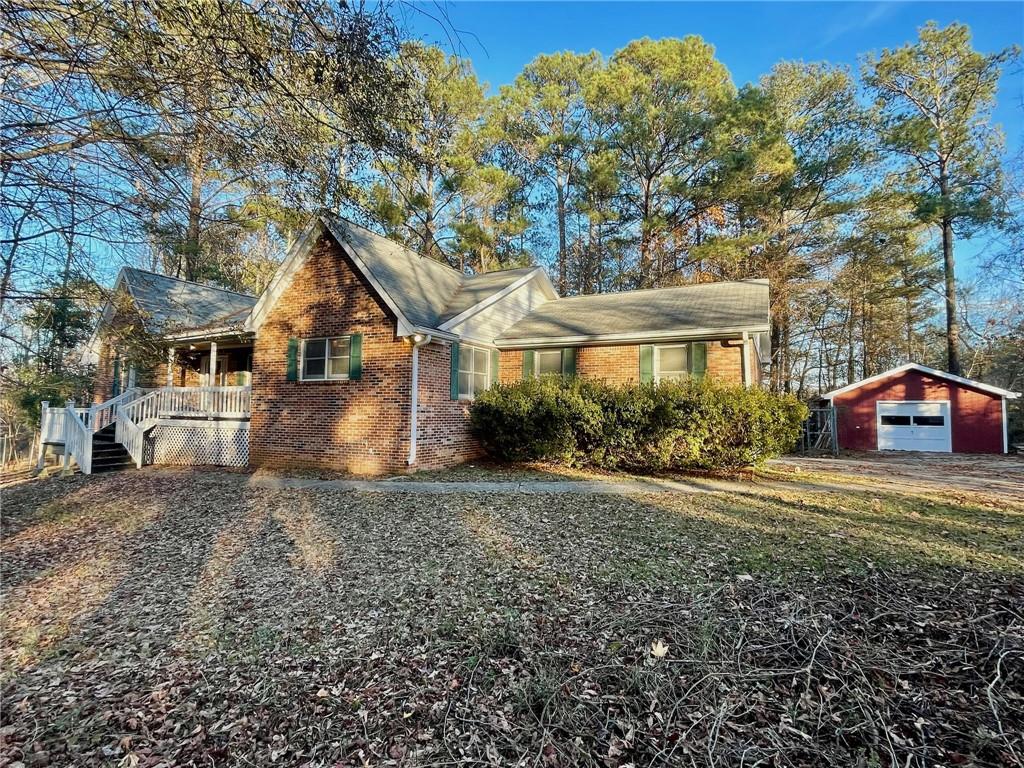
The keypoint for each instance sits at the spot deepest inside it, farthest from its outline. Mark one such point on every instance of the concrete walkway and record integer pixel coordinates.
(605, 487)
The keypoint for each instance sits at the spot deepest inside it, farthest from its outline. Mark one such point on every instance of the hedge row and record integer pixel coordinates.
(650, 427)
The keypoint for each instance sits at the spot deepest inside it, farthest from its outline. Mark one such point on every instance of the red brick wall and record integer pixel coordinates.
(443, 429)
(976, 418)
(352, 426)
(621, 364)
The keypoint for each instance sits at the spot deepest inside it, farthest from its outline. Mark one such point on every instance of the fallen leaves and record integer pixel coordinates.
(216, 623)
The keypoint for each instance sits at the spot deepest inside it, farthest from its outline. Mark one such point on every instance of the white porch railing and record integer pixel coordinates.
(51, 422)
(215, 402)
(133, 418)
(77, 439)
(103, 414)
(133, 412)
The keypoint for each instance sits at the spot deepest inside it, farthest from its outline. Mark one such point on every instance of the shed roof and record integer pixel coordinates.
(928, 372)
(707, 307)
(171, 304)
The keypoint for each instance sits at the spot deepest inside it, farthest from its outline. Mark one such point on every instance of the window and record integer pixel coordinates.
(549, 361)
(929, 421)
(671, 363)
(474, 369)
(326, 358)
(896, 421)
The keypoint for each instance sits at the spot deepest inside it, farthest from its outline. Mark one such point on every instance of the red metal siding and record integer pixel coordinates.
(977, 417)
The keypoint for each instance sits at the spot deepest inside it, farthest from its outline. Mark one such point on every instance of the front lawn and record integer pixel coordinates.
(165, 617)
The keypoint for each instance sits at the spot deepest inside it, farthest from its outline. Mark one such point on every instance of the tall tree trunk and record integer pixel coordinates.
(952, 323)
(195, 210)
(949, 266)
(562, 255)
(851, 347)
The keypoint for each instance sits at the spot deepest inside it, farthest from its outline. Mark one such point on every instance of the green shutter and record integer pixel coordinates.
(115, 387)
(528, 367)
(569, 361)
(355, 356)
(698, 359)
(494, 366)
(455, 371)
(293, 360)
(646, 364)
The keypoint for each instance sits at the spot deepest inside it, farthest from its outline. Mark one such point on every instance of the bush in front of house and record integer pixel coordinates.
(672, 425)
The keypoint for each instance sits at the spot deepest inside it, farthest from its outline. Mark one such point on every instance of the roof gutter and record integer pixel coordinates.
(631, 338)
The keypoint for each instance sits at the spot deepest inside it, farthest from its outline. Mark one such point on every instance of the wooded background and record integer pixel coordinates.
(194, 139)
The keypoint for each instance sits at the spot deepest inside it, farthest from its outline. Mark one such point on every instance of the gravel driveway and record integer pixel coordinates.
(992, 475)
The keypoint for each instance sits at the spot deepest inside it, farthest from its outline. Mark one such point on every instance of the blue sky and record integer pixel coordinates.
(749, 37)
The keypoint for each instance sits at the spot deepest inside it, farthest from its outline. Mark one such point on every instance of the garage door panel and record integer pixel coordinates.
(914, 426)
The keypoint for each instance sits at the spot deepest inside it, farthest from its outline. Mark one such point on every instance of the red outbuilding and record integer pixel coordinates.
(916, 408)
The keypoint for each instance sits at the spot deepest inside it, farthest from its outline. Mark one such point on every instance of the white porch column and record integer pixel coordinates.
(170, 366)
(213, 379)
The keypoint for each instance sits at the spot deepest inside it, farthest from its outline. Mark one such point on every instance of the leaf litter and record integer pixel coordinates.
(166, 618)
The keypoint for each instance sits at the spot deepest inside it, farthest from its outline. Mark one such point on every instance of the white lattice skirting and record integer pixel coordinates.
(194, 442)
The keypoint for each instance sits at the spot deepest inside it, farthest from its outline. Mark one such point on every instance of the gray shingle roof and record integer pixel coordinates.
(706, 306)
(419, 285)
(169, 304)
(476, 288)
(426, 291)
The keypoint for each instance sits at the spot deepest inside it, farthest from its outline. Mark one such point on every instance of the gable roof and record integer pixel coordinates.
(478, 288)
(419, 285)
(928, 372)
(171, 304)
(422, 292)
(702, 309)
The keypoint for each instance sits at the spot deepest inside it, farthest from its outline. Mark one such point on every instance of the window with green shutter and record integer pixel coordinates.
(472, 371)
(673, 362)
(549, 362)
(331, 358)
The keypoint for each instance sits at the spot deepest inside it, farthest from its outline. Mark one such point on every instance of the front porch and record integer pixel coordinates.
(181, 425)
(223, 362)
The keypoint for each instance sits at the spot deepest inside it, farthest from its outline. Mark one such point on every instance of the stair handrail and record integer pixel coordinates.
(102, 414)
(77, 439)
(129, 422)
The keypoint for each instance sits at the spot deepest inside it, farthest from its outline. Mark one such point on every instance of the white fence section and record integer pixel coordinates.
(51, 427)
(77, 439)
(191, 442)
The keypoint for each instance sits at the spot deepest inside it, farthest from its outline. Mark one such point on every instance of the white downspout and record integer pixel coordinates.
(745, 360)
(417, 342)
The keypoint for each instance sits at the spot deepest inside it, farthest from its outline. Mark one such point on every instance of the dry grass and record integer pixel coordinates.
(176, 617)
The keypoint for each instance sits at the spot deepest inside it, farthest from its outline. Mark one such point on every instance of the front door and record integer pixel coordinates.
(909, 425)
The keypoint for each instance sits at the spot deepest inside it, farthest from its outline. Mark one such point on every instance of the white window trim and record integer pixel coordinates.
(657, 359)
(463, 348)
(536, 361)
(327, 359)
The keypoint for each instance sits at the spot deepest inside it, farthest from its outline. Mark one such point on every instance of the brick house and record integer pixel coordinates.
(363, 356)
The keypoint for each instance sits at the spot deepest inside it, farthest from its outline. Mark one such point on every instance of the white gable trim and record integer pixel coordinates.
(297, 255)
(548, 288)
(285, 273)
(405, 328)
(927, 371)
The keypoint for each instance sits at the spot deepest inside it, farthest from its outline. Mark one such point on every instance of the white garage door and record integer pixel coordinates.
(914, 426)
